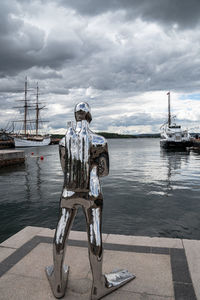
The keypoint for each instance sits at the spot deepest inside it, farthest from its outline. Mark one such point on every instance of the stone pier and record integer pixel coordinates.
(11, 157)
(165, 268)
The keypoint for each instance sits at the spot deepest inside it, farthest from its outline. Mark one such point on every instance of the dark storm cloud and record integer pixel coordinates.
(182, 12)
(94, 60)
(24, 45)
(18, 40)
(22, 51)
(100, 51)
(39, 73)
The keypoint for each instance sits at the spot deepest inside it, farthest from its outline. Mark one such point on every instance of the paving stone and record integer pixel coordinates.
(79, 286)
(15, 287)
(77, 259)
(144, 241)
(74, 235)
(180, 272)
(82, 236)
(47, 232)
(184, 292)
(153, 272)
(21, 237)
(5, 252)
(73, 296)
(119, 295)
(78, 235)
(19, 287)
(192, 251)
(34, 263)
(153, 297)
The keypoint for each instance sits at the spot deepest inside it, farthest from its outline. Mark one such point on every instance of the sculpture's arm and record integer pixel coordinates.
(99, 153)
(62, 153)
(103, 164)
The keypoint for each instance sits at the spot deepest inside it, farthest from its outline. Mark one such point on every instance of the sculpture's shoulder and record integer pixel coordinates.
(98, 140)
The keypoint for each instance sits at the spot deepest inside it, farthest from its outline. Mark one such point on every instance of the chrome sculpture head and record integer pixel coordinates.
(82, 112)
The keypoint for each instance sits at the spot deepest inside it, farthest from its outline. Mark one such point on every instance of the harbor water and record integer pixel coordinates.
(149, 192)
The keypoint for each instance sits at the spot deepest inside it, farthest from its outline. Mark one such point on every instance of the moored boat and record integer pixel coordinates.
(27, 138)
(172, 135)
(23, 141)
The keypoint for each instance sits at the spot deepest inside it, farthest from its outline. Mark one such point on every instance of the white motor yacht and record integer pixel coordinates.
(172, 135)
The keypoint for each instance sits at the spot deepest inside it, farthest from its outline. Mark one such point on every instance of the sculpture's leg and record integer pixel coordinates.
(102, 284)
(58, 273)
(93, 218)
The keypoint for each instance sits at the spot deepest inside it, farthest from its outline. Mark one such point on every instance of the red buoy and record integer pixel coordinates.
(41, 157)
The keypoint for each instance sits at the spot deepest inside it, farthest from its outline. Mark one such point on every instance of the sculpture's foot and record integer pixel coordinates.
(110, 282)
(58, 288)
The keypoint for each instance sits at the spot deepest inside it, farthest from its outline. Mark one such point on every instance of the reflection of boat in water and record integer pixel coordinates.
(28, 139)
(172, 136)
(174, 160)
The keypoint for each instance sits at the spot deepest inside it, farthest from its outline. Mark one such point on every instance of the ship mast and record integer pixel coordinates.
(25, 106)
(169, 111)
(37, 110)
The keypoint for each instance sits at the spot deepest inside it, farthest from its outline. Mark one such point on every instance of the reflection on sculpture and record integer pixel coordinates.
(84, 158)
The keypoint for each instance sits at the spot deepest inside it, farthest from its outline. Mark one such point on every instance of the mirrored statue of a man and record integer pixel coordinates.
(84, 158)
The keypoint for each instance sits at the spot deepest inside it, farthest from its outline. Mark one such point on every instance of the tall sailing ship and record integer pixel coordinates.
(172, 135)
(31, 137)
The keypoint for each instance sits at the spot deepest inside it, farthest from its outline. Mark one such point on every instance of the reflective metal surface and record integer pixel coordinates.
(84, 158)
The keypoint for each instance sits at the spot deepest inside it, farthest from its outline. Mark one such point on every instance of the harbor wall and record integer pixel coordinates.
(11, 157)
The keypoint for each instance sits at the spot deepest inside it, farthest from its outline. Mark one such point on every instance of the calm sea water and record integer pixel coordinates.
(148, 191)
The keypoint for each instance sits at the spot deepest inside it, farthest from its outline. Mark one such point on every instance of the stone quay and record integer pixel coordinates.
(165, 268)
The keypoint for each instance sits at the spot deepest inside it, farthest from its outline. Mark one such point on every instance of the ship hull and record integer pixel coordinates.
(21, 142)
(174, 145)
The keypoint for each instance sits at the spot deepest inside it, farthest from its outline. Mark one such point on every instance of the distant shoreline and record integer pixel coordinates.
(110, 135)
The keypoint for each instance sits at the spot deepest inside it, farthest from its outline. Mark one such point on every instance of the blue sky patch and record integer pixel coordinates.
(190, 96)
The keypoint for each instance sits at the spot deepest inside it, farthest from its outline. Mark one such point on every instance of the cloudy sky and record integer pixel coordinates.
(121, 56)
